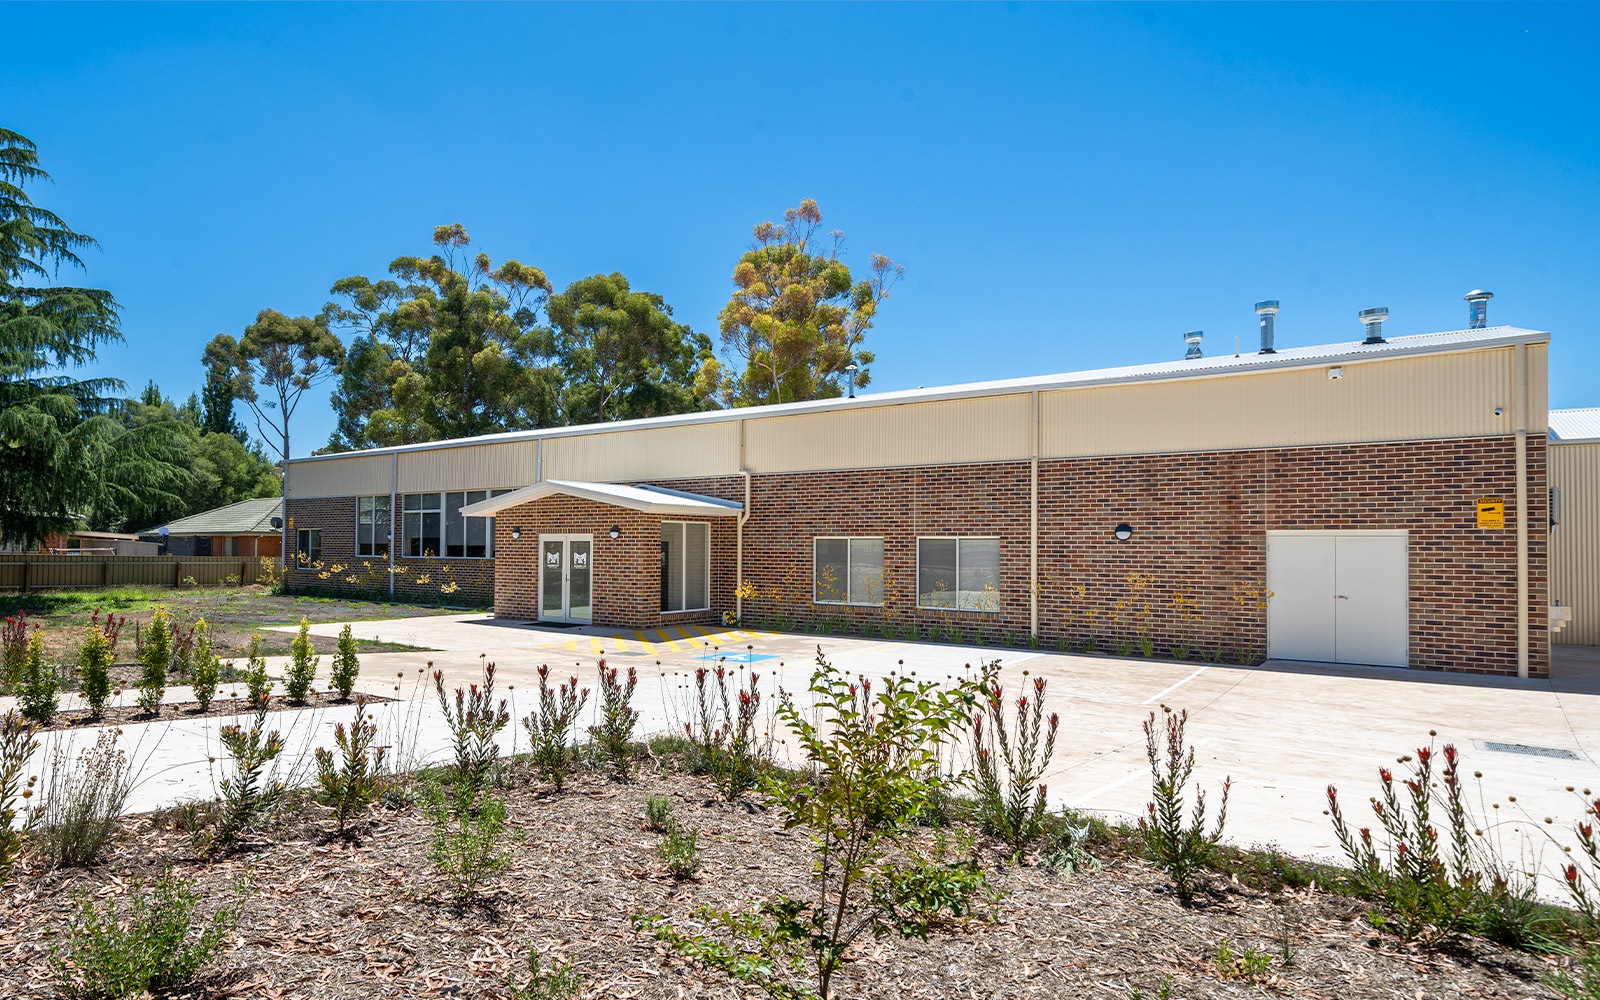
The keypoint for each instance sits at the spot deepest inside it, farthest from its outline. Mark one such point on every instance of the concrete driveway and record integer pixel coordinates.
(1282, 731)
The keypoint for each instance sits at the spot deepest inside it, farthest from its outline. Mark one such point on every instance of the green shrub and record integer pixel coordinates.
(474, 720)
(258, 684)
(38, 695)
(1246, 963)
(13, 650)
(1007, 766)
(156, 945)
(207, 667)
(155, 657)
(349, 783)
(1580, 981)
(250, 794)
(560, 981)
(679, 852)
(469, 833)
(1182, 850)
(658, 813)
(82, 803)
(725, 744)
(302, 665)
(613, 735)
(346, 665)
(95, 657)
(550, 729)
(17, 744)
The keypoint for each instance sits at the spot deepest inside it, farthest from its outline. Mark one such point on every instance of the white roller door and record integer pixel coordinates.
(1339, 596)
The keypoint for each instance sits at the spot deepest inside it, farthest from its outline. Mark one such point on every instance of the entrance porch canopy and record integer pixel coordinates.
(646, 498)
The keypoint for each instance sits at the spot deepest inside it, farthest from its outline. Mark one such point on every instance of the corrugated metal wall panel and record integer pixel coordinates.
(358, 475)
(1538, 388)
(1575, 542)
(657, 453)
(1442, 396)
(980, 429)
(475, 467)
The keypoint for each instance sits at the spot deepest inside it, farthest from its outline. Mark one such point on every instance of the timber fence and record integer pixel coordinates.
(52, 571)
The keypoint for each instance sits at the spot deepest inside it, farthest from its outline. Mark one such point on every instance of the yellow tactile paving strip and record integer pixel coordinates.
(654, 642)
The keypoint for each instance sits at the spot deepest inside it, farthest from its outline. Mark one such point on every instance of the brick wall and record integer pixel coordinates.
(457, 582)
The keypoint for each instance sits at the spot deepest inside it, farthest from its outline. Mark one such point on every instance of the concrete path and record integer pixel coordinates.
(1282, 731)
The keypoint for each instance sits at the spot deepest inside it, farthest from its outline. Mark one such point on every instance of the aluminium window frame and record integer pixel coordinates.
(685, 568)
(388, 540)
(884, 559)
(307, 557)
(444, 523)
(956, 583)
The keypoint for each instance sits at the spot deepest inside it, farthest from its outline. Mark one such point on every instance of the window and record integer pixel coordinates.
(308, 545)
(685, 566)
(432, 525)
(960, 574)
(372, 526)
(847, 571)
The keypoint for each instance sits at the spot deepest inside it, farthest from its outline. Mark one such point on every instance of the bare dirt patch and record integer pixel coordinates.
(330, 918)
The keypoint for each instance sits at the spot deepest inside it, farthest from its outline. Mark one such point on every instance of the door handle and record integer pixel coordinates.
(1343, 598)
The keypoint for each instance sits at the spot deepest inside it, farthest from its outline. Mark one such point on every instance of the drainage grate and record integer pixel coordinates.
(1558, 753)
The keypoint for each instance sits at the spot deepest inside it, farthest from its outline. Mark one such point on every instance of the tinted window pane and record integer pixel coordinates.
(380, 526)
(412, 529)
(980, 574)
(696, 566)
(866, 571)
(477, 537)
(454, 529)
(830, 581)
(936, 572)
(430, 533)
(672, 567)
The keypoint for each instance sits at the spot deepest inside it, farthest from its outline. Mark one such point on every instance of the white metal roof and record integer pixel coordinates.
(650, 499)
(1582, 424)
(1349, 352)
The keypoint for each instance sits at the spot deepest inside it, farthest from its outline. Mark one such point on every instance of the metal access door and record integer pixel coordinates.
(1339, 597)
(566, 576)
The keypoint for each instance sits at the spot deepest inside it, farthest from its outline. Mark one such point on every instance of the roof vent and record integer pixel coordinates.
(1373, 319)
(1192, 338)
(1478, 308)
(1267, 310)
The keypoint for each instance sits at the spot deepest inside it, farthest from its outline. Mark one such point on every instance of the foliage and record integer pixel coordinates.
(1008, 766)
(182, 648)
(350, 783)
(81, 805)
(1181, 850)
(613, 735)
(1246, 963)
(95, 656)
(17, 744)
(346, 665)
(216, 401)
(1584, 887)
(797, 318)
(157, 944)
(678, 851)
(474, 722)
(658, 813)
(155, 659)
(469, 832)
(560, 981)
(38, 694)
(725, 742)
(250, 794)
(207, 666)
(302, 665)
(1582, 980)
(258, 686)
(867, 754)
(550, 730)
(13, 650)
(272, 366)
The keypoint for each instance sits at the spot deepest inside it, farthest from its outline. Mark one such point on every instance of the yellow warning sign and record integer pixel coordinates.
(291, 524)
(1491, 512)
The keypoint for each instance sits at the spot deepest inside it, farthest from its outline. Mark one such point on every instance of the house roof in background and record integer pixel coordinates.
(1582, 424)
(247, 517)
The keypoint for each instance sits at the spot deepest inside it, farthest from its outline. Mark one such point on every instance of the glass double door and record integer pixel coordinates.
(565, 578)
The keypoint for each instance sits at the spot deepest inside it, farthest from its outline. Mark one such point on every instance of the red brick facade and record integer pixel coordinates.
(1199, 532)
(451, 582)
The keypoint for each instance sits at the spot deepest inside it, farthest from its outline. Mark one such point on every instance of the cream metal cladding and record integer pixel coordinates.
(1405, 399)
(683, 452)
(976, 429)
(469, 467)
(1575, 542)
(357, 475)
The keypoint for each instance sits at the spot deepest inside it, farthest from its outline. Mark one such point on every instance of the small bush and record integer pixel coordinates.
(38, 695)
(613, 735)
(258, 685)
(302, 665)
(679, 852)
(249, 794)
(474, 720)
(95, 656)
(1247, 963)
(1580, 981)
(207, 667)
(81, 804)
(349, 783)
(17, 744)
(155, 945)
(346, 665)
(1007, 766)
(725, 745)
(658, 813)
(560, 981)
(13, 650)
(550, 729)
(155, 656)
(183, 649)
(1182, 850)
(469, 833)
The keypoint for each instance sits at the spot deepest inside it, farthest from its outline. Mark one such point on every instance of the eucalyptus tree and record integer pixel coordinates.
(273, 365)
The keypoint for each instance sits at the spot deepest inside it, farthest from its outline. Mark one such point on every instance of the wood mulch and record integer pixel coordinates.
(129, 715)
(327, 918)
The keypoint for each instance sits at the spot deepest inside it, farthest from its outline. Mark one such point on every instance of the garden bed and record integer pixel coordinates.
(132, 715)
(365, 917)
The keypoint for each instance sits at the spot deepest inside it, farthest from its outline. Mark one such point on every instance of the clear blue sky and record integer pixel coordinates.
(1068, 186)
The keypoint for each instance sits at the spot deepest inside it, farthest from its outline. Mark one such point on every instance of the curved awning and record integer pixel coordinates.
(646, 498)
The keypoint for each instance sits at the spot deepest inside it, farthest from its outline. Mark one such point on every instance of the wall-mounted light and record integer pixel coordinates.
(615, 532)
(516, 532)
(1499, 411)
(1123, 532)
(1336, 372)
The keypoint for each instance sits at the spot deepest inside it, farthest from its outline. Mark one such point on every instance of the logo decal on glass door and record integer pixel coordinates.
(553, 560)
(580, 560)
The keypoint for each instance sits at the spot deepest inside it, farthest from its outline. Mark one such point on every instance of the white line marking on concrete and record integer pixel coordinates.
(1131, 776)
(1174, 687)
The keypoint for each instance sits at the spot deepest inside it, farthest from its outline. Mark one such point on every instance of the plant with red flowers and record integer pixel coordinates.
(726, 742)
(1007, 766)
(1182, 850)
(550, 730)
(474, 720)
(13, 649)
(1584, 886)
(613, 735)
